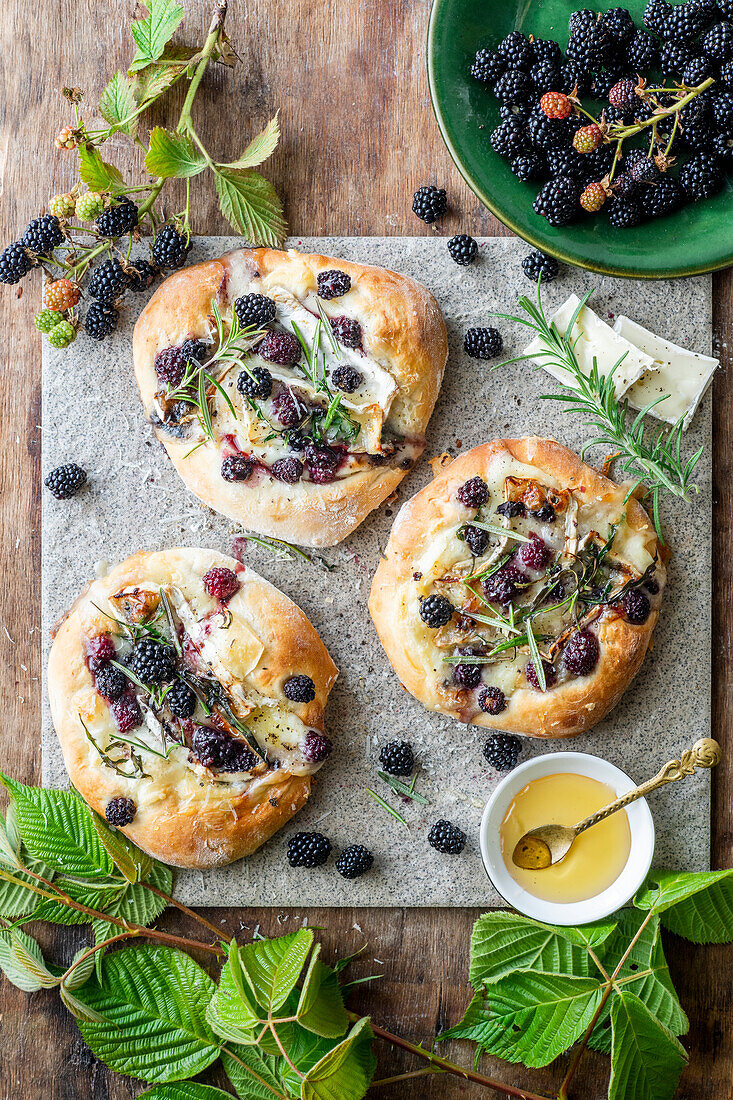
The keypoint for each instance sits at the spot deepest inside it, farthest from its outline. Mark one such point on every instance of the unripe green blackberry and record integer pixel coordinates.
(89, 206)
(47, 319)
(62, 206)
(62, 334)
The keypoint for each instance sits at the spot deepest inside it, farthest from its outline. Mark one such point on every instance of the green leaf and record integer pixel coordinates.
(95, 894)
(272, 967)
(153, 1000)
(173, 155)
(321, 1005)
(531, 1017)
(17, 901)
(117, 102)
(152, 33)
(646, 1059)
(96, 173)
(150, 82)
(22, 962)
(133, 863)
(698, 907)
(345, 1072)
(232, 1011)
(185, 1090)
(256, 1079)
(56, 827)
(136, 904)
(81, 972)
(259, 148)
(250, 203)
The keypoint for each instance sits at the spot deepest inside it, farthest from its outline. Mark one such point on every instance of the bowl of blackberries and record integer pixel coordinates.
(603, 137)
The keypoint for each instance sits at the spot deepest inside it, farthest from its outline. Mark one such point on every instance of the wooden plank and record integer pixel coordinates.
(359, 137)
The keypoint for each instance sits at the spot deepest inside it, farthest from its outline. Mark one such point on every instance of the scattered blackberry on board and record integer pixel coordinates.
(110, 681)
(65, 481)
(281, 348)
(488, 66)
(15, 263)
(476, 539)
(152, 662)
(492, 700)
(316, 747)
(717, 42)
(299, 689)
(354, 861)
(447, 838)
(528, 167)
(221, 583)
(514, 86)
(181, 700)
(536, 264)
(255, 383)
(642, 53)
(120, 812)
(636, 607)
(89, 206)
(502, 751)
(429, 203)
(397, 758)
(237, 467)
(557, 201)
(101, 320)
(473, 493)
(347, 331)
(463, 249)
(333, 284)
(347, 379)
(108, 281)
(663, 198)
(170, 247)
(117, 220)
(701, 176)
(308, 850)
(254, 310)
(43, 234)
(516, 49)
(483, 343)
(219, 751)
(46, 319)
(289, 470)
(581, 653)
(62, 334)
(141, 275)
(436, 611)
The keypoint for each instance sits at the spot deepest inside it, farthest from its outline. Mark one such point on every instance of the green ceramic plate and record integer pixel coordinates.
(698, 238)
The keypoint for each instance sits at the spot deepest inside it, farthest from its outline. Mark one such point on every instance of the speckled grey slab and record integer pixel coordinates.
(135, 500)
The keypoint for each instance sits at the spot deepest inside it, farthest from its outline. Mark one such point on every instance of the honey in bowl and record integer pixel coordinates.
(597, 857)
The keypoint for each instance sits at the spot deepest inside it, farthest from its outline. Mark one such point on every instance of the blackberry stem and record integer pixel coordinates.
(623, 132)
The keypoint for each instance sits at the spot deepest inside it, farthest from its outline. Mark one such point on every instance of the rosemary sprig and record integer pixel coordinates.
(385, 805)
(536, 658)
(286, 550)
(502, 532)
(657, 463)
(403, 789)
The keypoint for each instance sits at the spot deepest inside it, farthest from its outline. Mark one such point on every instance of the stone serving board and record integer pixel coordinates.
(134, 500)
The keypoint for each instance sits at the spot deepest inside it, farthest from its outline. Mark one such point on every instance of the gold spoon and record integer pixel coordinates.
(540, 848)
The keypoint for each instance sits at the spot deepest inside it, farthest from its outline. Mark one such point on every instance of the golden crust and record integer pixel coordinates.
(183, 817)
(403, 330)
(574, 705)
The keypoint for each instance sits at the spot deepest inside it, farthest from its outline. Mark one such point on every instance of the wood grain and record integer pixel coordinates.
(358, 138)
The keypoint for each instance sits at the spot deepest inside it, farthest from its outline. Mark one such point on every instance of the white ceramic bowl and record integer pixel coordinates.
(618, 893)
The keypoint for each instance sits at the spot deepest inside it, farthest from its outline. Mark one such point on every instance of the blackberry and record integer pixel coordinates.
(528, 167)
(488, 66)
(725, 7)
(316, 747)
(299, 689)
(510, 509)
(567, 162)
(117, 220)
(603, 81)
(544, 49)
(141, 275)
(47, 319)
(289, 470)
(170, 363)
(547, 133)
(354, 861)
(701, 176)
(14, 263)
(483, 343)
(463, 249)
(473, 493)
(170, 247)
(516, 50)
(220, 752)
(544, 76)
(286, 409)
(726, 73)
(436, 611)
(655, 15)
(220, 583)
(591, 46)
(429, 203)
(619, 25)
(492, 700)
(572, 76)
(100, 648)
(581, 19)
(557, 200)
(347, 331)
(254, 310)
(61, 294)
(181, 700)
(397, 758)
(504, 585)
(537, 265)
(683, 24)
(697, 69)
(624, 186)
(502, 751)
(108, 281)
(153, 662)
(509, 138)
(662, 199)
(476, 539)
(333, 284)
(514, 86)
(467, 675)
(622, 94)
(100, 320)
(296, 441)
(308, 850)
(598, 163)
(534, 554)
(531, 674)
(65, 481)
(545, 514)
(722, 148)
(281, 348)
(126, 712)
(722, 109)
(110, 681)
(347, 379)
(237, 467)
(519, 111)
(643, 53)
(62, 334)
(673, 58)
(255, 383)
(581, 653)
(321, 459)
(636, 607)
(447, 838)
(42, 234)
(120, 812)
(644, 170)
(717, 42)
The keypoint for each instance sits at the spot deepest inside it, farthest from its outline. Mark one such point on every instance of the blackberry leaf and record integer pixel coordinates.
(646, 1059)
(117, 102)
(698, 907)
(173, 155)
(250, 203)
(153, 33)
(96, 173)
(260, 147)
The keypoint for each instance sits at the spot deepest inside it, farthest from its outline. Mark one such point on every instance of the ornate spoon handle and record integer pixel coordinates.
(705, 753)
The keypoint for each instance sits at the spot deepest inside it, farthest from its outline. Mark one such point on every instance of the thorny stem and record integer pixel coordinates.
(664, 112)
(99, 947)
(189, 912)
(429, 1071)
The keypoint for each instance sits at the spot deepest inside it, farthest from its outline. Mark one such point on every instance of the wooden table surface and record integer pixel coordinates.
(358, 138)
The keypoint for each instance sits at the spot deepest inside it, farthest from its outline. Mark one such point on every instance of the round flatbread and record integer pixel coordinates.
(188, 696)
(519, 590)
(309, 413)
